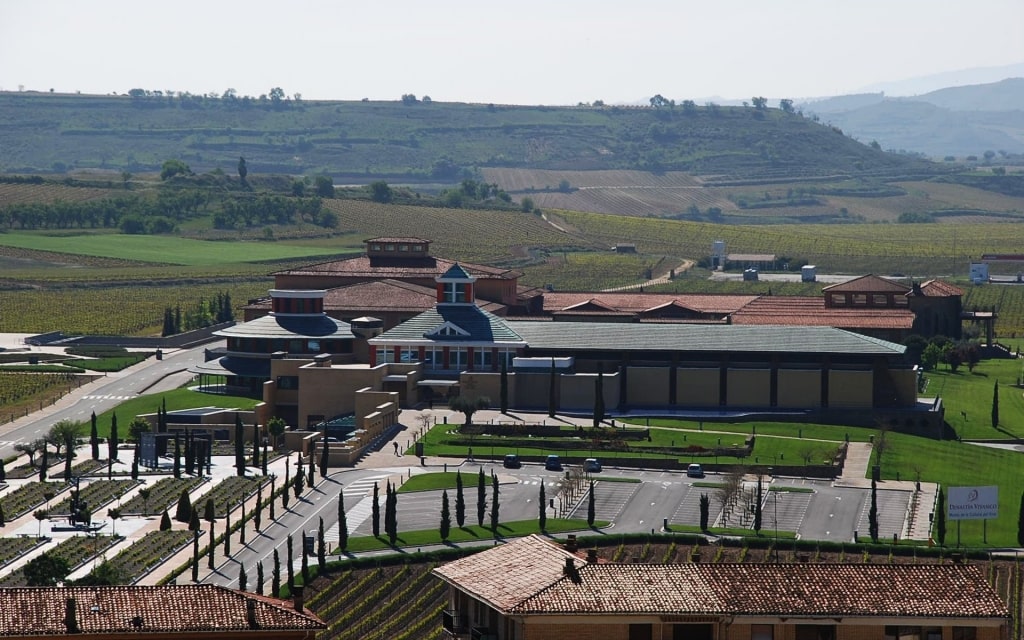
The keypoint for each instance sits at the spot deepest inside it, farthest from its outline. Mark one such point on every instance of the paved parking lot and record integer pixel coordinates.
(610, 498)
(892, 512)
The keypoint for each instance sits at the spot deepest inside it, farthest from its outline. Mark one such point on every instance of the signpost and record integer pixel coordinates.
(972, 503)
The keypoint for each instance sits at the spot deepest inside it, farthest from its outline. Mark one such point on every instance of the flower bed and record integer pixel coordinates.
(76, 551)
(27, 497)
(155, 547)
(230, 492)
(163, 494)
(96, 494)
(13, 548)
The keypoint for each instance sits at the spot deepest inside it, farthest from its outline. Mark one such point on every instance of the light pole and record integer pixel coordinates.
(775, 499)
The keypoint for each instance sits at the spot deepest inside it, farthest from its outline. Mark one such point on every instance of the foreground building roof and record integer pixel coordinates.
(144, 610)
(795, 310)
(530, 576)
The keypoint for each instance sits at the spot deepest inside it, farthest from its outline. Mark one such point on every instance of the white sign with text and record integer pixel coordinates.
(973, 503)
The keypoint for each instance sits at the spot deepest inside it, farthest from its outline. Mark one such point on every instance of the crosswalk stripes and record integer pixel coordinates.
(108, 397)
(360, 513)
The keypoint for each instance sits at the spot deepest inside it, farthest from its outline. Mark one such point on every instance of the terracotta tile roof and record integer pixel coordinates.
(940, 289)
(812, 312)
(639, 302)
(382, 295)
(526, 576)
(395, 239)
(505, 575)
(138, 610)
(411, 267)
(867, 284)
(882, 590)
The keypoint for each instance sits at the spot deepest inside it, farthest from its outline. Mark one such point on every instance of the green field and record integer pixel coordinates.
(176, 400)
(159, 249)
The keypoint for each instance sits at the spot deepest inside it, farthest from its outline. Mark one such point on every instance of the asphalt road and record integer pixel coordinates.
(98, 396)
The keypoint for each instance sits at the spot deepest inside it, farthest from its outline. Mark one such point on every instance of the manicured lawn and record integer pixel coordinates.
(426, 537)
(971, 393)
(176, 399)
(436, 481)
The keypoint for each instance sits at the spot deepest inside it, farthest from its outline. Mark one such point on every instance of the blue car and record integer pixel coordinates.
(553, 463)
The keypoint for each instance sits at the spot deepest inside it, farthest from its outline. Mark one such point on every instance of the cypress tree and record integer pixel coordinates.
(591, 506)
(375, 511)
(190, 453)
(3, 471)
(275, 576)
(446, 517)
(264, 460)
(94, 437)
(259, 578)
(195, 556)
(542, 506)
(460, 501)
(494, 504)
(481, 498)
(342, 522)
(212, 547)
(321, 548)
(255, 444)
(287, 482)
(873, 513)
(227, 534)
(112, 441)
(193, 520)
(940, 518)
(243, 582)
(705, 511)
(44, 463)
(599, 397)
(270, 500)
(291, 563)
(165, 521)
(300, 479)
(304, 564)
(310, 474)
(209, 511)
(995, 405)
(241, 525)
(324, 453)
(239, 446)
(1020, 522)
(177, 457)
(3, 520)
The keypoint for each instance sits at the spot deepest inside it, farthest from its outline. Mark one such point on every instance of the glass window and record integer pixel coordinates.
(454, 292)
(375, 247)
(417, 247)
(287, 382)
(482, 358)
(902, 633)
(860, 299)
(410, 354)
(880, 300)
(390, 247)
(403, 247)
(314, 345)
(901, 301)
(458, 357)
(641, 632)
(838, 299)
(815, 632)
(693, 632)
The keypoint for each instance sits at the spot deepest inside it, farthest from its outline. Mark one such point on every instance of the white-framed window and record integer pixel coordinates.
(454, 292)
(410, 354)
(482, 358)
(458, 358)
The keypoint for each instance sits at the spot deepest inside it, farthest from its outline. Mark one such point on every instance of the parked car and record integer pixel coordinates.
(553, 463)
(512, 461)
(694, 471)
(592, 465)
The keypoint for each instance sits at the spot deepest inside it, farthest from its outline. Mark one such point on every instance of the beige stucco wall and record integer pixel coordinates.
(851, 389)
(697, 387)
(748, 388)
(799, 388)
(330, 391)
(647, 386)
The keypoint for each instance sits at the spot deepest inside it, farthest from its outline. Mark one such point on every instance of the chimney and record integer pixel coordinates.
(570, 543)
(71, 616)
(300, 603)
(250, 613)
(592, 556)
(570, 567)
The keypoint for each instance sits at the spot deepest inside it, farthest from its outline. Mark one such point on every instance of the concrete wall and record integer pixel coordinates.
(905, 383)
(697, 387)
(749, 388)
(850, 389)
(647, 386)
(799, 388)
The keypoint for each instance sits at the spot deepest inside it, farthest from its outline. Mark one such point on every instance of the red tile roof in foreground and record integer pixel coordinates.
(520, 577)
(639, 302)
(140, 610)
(411, 267)
(804, 311)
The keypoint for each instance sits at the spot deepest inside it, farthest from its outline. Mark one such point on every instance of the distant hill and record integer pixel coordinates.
(419, 142)
(961, 77)
(957, 121)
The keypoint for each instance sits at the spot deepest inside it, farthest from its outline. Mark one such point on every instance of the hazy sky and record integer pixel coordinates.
(522, 52)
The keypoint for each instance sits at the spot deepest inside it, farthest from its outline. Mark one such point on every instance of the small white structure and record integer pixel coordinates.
(808, 273)
(718, 254)
(979, 272)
